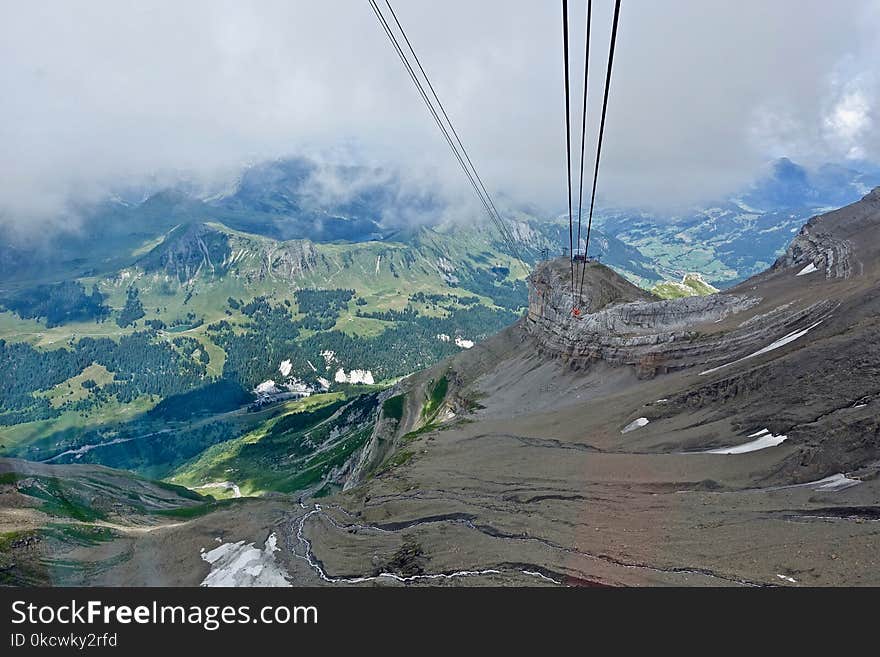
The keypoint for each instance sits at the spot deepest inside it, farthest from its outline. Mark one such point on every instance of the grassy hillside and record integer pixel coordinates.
(297, 449)
(691, 285)
(115, 360)
(48, 513)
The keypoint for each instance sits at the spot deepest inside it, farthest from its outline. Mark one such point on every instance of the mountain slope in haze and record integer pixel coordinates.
(300, 199)
(284, 200)
(732, 239)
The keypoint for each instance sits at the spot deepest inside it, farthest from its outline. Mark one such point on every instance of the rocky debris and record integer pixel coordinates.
(447, 271)
(27, 484)
(29, 541)
(409, 560)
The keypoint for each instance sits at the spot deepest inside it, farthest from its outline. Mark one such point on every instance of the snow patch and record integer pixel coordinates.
(809, 269)
(285, 367)
(781, 342)
(355, 376)
(635, 424)
(791, 580)
(833, 483)
(329, 358)
(299, 387)
(267, 387)
(240, 564)
(762, 440)
(460, 342)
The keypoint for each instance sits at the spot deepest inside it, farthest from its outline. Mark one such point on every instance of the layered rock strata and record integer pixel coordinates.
(616, 322)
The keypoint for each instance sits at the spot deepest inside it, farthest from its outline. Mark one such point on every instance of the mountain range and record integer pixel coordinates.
(252, 341)
(728, 439)
(281, 280)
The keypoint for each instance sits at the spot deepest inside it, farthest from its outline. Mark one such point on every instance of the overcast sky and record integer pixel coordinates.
(98, 93)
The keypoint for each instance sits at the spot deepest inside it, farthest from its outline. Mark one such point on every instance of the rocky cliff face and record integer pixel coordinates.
(815, 247)
(620, 324)
(189, 251)
(827, 241)
(288, 261)
(196, 249)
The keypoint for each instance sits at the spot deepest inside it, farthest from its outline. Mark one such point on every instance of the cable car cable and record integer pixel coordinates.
(584, 125)
(400, 53)
(601, 128)
(451, 125)
(568, 137)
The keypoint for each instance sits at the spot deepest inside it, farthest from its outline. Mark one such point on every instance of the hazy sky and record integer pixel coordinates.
(98, 93)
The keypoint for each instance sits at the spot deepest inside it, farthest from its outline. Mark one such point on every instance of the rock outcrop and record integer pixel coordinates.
(827, 241)
(288, 261)
(814, 246)
(188, 251)
(618, 323)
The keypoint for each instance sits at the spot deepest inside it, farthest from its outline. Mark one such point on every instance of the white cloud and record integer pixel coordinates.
(98, 92)
(848, 121)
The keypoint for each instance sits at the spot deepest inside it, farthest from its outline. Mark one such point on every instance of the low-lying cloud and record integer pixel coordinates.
(103, 94)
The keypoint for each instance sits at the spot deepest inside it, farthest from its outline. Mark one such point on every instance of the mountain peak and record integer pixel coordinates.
(167, 197)
(189, 249)
(785, 169)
